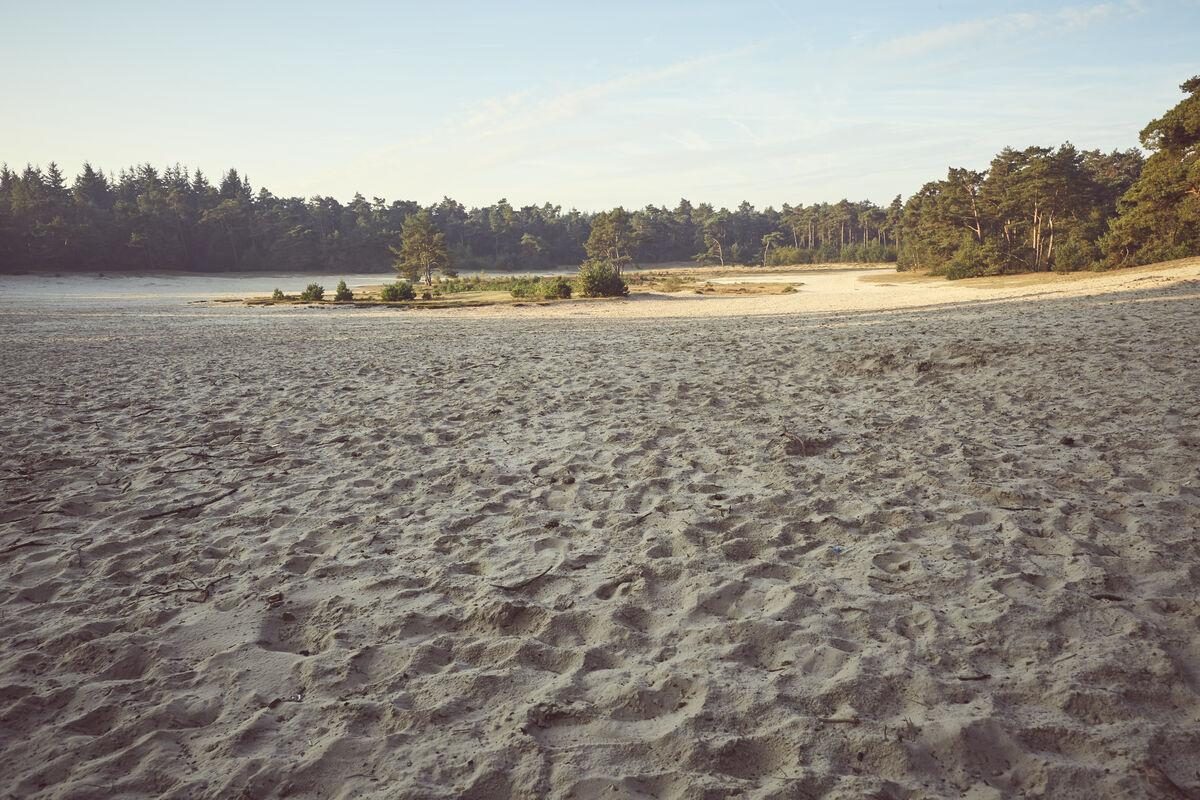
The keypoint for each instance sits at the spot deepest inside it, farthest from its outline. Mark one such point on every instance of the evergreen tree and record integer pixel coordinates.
(422, 250)
(1160, 214)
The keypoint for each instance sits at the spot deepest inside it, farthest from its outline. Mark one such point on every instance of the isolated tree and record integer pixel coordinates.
(422, 249)
(611, 239)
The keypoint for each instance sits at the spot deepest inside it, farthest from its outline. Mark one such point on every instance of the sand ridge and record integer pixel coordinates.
(570, 551)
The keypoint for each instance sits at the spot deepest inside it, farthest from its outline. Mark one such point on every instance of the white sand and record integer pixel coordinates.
(567, 551)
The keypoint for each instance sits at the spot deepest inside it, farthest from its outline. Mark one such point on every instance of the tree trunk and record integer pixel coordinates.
(1050, 245)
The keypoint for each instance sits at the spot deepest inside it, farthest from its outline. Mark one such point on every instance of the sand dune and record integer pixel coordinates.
(913, 541)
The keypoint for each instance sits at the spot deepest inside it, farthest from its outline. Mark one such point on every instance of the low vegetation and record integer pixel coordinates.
(396, 292)
(554, 288)
(600, 278)
(313, 292)
(594, 280)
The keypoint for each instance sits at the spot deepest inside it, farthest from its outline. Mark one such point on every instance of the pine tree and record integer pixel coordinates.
(422, 250)
(1159, 216)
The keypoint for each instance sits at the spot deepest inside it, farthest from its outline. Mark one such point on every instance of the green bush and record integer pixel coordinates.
(600, 279)
(522, 288)
(278, 295)
(556, 288)
(342, 293)
(1074, 254)
(786, 256)
(395, 292)
(969, 261)
(313, 292)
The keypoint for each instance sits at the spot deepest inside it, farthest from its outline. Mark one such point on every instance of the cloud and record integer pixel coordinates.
(524, 110)
(961, 33)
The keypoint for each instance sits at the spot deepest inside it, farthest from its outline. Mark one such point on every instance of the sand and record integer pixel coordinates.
(925, 540)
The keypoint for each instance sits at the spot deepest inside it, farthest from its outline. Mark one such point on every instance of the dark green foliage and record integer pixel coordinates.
(146, 219)
(278, 295)
(969, 261)
(612, 239)
(1018, 215)
(859, 253)
(423, 249)
(313, 292)
(395, 292)
(787, 256)
(1160, 214)
(523, 288)
(475, 283)
(598, 278)
(1035, 209)
(555, 288)
(1074, 254)
(342, 293)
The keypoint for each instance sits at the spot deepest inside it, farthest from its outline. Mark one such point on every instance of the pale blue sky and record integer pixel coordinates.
(583, 104)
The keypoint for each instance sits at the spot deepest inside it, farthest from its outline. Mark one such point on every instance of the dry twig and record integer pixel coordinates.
(205, 590)
(19, 545)
(514, 586)
(190, 507)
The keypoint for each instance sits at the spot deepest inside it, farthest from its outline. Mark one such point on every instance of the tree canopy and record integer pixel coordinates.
(422, 250)
(1031, 209)
(1160, 214)
(1019, 214)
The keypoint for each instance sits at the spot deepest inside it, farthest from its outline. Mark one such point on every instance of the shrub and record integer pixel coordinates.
(523, 288)
(426, 296)
(313, 292)
(1074, 254)
(968, 261)
(342, 292)
(786, 256)
(556, 288)
(278, 295)
(395, 292)
(600, 279)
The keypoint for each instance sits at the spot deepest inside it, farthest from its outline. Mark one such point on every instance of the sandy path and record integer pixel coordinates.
(566, 551)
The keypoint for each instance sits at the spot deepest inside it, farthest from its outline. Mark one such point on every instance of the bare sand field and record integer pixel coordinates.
(876, 538)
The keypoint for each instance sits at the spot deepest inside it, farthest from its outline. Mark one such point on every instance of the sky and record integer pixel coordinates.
(583, 104)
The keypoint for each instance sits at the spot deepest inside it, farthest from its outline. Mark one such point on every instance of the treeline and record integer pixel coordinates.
(1064, 209)
(1030, 210)
(146, 219)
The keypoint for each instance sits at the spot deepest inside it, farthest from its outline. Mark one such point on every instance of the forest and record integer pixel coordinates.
(143, 218)
(1033, 209)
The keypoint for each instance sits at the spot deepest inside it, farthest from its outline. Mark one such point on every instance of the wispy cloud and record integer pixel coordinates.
(528, 109)
(962, 33)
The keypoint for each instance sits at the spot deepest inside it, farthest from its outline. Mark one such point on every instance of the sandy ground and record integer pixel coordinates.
(570, 551)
